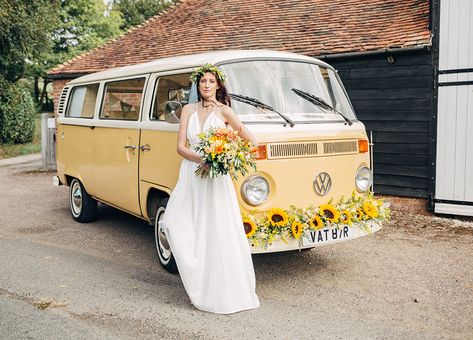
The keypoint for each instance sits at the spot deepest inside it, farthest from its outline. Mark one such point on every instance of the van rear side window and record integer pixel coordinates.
(122, 99)
(82, 102)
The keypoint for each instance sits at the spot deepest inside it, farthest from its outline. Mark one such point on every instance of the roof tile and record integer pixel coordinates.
(310, 27)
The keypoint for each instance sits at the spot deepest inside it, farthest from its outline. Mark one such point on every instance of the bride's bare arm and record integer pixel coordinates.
(182, 148)
(237, 125)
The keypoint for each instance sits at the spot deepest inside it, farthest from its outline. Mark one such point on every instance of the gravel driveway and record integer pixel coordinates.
(60, 279)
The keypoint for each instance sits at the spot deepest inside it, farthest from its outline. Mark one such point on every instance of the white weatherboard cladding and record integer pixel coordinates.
(456, 34)
(454, 168)
(455, 144)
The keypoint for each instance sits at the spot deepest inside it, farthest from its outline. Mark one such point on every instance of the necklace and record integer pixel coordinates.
(210, 103)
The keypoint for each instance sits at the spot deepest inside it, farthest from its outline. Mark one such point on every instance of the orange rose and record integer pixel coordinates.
(218, 149)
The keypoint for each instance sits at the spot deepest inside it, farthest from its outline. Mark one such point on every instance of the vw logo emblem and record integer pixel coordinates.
(322, 183)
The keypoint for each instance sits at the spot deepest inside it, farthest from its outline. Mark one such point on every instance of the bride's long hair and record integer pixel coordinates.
(222, 93)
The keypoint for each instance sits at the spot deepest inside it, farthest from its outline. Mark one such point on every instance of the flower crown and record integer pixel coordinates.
(199, 72)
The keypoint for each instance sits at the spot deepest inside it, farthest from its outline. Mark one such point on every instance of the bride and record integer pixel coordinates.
(202, 220)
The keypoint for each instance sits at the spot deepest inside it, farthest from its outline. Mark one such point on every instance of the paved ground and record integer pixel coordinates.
(60, 279)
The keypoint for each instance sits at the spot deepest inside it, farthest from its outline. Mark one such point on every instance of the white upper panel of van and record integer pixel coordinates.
(191, 61)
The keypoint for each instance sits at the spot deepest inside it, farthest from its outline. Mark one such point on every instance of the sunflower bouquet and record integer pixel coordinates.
(224, 152)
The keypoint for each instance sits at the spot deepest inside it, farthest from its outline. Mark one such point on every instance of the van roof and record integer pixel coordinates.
(194, 60)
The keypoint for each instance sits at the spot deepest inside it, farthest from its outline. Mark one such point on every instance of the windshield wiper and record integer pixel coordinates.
(320, 103)
(258, 104)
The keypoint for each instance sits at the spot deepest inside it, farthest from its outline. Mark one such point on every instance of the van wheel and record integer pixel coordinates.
(83, 207)
(162, 246)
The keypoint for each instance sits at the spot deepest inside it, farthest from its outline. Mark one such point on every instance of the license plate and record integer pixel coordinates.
(326, 235)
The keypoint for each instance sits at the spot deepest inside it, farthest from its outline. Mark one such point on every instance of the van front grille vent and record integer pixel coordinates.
(292, 150)
(339, 147)
(62, 101)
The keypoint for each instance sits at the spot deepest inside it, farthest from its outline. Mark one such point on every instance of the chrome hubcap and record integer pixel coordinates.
(76, 198)
(162, 243)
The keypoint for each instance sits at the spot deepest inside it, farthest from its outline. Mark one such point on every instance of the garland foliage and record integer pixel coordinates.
(262, 228)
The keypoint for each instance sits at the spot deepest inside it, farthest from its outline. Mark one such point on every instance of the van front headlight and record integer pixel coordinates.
(363, 179)
(255, 190)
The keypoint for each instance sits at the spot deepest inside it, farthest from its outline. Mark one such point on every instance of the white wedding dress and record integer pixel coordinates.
(204, 228)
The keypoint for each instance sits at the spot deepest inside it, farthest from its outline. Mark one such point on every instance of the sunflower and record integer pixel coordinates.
(296, 229)
(330, 212)
(359, 214)
(278, 217)
(370, 209)
(316, 222)
(250, 227)
(346, 217)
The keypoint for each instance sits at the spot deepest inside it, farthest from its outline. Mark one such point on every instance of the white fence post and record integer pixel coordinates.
(48, 142)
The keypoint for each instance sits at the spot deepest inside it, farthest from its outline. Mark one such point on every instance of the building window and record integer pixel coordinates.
(122, 99)
(82, 101)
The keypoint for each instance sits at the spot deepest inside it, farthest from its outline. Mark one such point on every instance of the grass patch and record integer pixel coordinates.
(14, 150)
(43, 304)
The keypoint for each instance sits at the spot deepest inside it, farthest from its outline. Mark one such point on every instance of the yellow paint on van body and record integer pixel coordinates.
(111, 173)
(74, 154)
(116, 167)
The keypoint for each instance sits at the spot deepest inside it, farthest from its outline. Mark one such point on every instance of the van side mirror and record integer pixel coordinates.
(172, 112)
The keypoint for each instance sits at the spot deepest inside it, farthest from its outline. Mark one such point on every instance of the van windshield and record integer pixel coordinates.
(272, 82)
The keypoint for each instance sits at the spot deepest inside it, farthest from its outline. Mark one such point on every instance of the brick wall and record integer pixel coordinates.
(57, 89)
(408, 204)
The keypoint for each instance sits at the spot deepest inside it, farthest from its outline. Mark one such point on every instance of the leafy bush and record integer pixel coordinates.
(17, 113)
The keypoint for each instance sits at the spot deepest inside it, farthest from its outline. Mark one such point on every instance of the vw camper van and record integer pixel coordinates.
(117, 134)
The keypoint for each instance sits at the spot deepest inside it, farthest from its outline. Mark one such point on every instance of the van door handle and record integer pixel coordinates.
(145, 147)
(131, 147)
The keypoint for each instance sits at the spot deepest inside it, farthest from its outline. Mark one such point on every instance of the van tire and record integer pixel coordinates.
(166, 258)
(83, 206)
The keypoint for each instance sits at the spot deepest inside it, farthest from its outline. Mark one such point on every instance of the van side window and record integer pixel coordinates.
(172, 88)
(82, 101)
(122, 99)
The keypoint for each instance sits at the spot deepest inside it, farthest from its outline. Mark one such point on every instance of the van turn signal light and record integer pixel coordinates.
(362, 146)
(261, 151)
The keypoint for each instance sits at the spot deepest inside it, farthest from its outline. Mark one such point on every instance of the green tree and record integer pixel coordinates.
(25, 30)
(37, 35)
(134, 12)
(84, 25)
(17, 113)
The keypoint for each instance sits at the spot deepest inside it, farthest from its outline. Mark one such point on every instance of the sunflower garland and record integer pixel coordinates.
(330, 213)
(360, 215)
(316, 222)
(250, 227)
(296, 229)
(346, 217)
(263, 228)
(370, 210)
(277, 217)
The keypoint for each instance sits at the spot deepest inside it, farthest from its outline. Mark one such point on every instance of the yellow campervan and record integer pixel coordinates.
(117, 132)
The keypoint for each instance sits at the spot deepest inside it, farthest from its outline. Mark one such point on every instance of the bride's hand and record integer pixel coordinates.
(203, 165)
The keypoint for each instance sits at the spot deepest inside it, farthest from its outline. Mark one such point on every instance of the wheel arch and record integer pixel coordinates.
(154, 196)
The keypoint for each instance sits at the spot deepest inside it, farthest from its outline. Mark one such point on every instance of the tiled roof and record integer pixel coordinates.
(310, 27)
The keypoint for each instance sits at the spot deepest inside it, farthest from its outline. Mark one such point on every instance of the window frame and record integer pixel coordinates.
(70, 97)
(155, 91)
